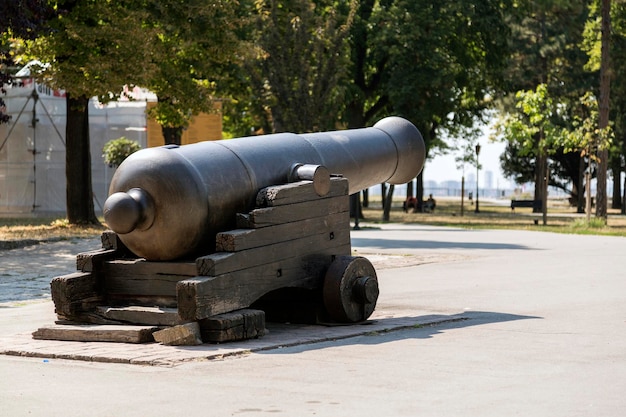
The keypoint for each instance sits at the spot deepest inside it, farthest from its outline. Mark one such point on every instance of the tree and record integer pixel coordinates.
(618, 99)
(94, 48)
(443, 61)
(605, 88)
(534, 128)
(589, 139)
(195, 44)
(546, 49)
(300, 63)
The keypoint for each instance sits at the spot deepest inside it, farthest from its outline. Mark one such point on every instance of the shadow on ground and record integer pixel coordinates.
(423, 327)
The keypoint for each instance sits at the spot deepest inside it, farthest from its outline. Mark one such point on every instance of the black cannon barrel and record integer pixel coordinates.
(169, 202)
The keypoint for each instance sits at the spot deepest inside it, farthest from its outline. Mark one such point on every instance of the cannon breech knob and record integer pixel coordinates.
(350, 289)
(127, 211)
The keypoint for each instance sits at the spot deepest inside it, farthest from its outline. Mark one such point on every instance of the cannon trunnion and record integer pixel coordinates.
(206, 246)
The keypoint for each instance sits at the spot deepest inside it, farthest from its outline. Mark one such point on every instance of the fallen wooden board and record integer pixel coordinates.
(187, 334)
(97, 333)
(154, 316)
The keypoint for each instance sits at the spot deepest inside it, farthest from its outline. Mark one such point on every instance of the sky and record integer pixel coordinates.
(444, 168)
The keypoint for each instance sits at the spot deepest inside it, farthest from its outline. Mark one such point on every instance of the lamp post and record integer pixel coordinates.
(477, 210)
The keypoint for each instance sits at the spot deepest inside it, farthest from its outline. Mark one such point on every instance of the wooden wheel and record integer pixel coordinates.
(350, 289)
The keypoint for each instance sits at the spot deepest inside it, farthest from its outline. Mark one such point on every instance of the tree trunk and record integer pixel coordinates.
(544, 184)
(581, 190)
(419, 191)
(172, 135)
(616, 170)
(605, 88)
(366, 198)
(539, 180)
(388, 198)
(409, 189)
(383, 193)
(79, 194)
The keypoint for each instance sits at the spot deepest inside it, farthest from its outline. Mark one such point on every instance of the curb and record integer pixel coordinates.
(22, 243)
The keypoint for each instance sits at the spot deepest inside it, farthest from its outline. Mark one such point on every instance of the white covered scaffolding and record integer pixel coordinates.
(32, 147)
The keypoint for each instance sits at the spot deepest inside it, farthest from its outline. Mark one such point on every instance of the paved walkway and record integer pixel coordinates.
(26, 272)
(526, 323)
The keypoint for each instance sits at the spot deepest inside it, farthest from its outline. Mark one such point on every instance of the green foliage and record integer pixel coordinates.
(534, 124)
(538, 124)
(435, 63)
(117, 150)
(95, 48)
(195, 43)
(297, 72)
(586, 135)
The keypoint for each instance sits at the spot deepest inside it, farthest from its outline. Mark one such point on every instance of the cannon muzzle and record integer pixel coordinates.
(170, 202)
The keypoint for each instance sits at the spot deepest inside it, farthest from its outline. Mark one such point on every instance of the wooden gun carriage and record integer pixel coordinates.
(274, 242)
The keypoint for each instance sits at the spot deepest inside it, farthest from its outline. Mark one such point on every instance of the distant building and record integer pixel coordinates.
(488, 180)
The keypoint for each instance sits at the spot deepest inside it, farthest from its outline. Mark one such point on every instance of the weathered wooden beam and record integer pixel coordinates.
(93, 260)
(236, 325)
(225, 262)
(145, 283)
(270, 216)
(203, 297)
(75, 293)
(298, 192)
(242, 239)
(111, 241)
(97, 333)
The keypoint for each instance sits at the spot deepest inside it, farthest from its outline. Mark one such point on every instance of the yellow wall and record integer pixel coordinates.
(203, 127)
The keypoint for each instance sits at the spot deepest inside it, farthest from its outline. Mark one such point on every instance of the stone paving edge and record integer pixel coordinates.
(280, 336)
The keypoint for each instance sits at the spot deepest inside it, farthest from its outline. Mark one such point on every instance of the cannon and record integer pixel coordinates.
(225, 233)
(169, 202)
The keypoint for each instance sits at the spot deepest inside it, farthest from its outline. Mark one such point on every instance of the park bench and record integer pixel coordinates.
(534, 204)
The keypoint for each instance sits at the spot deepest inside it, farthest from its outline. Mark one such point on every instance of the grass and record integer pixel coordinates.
(44, 228)
(561, 219)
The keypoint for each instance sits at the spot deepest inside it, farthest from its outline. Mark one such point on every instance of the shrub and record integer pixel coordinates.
(116, 150)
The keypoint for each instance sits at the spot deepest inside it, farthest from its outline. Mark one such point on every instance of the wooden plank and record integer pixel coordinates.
(111, 241)
(75, 293)
(242, 239)
(154, 316)
(93, 260)
(139, 278)
(225, 262)
(97, 333)
(237, 325)
(298, 192)
(187, 334)
(147, 268)
(271, 216)
(121, 300)
(203, 297)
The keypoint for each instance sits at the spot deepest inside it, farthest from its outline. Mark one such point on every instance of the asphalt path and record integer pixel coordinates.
(537, 327)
